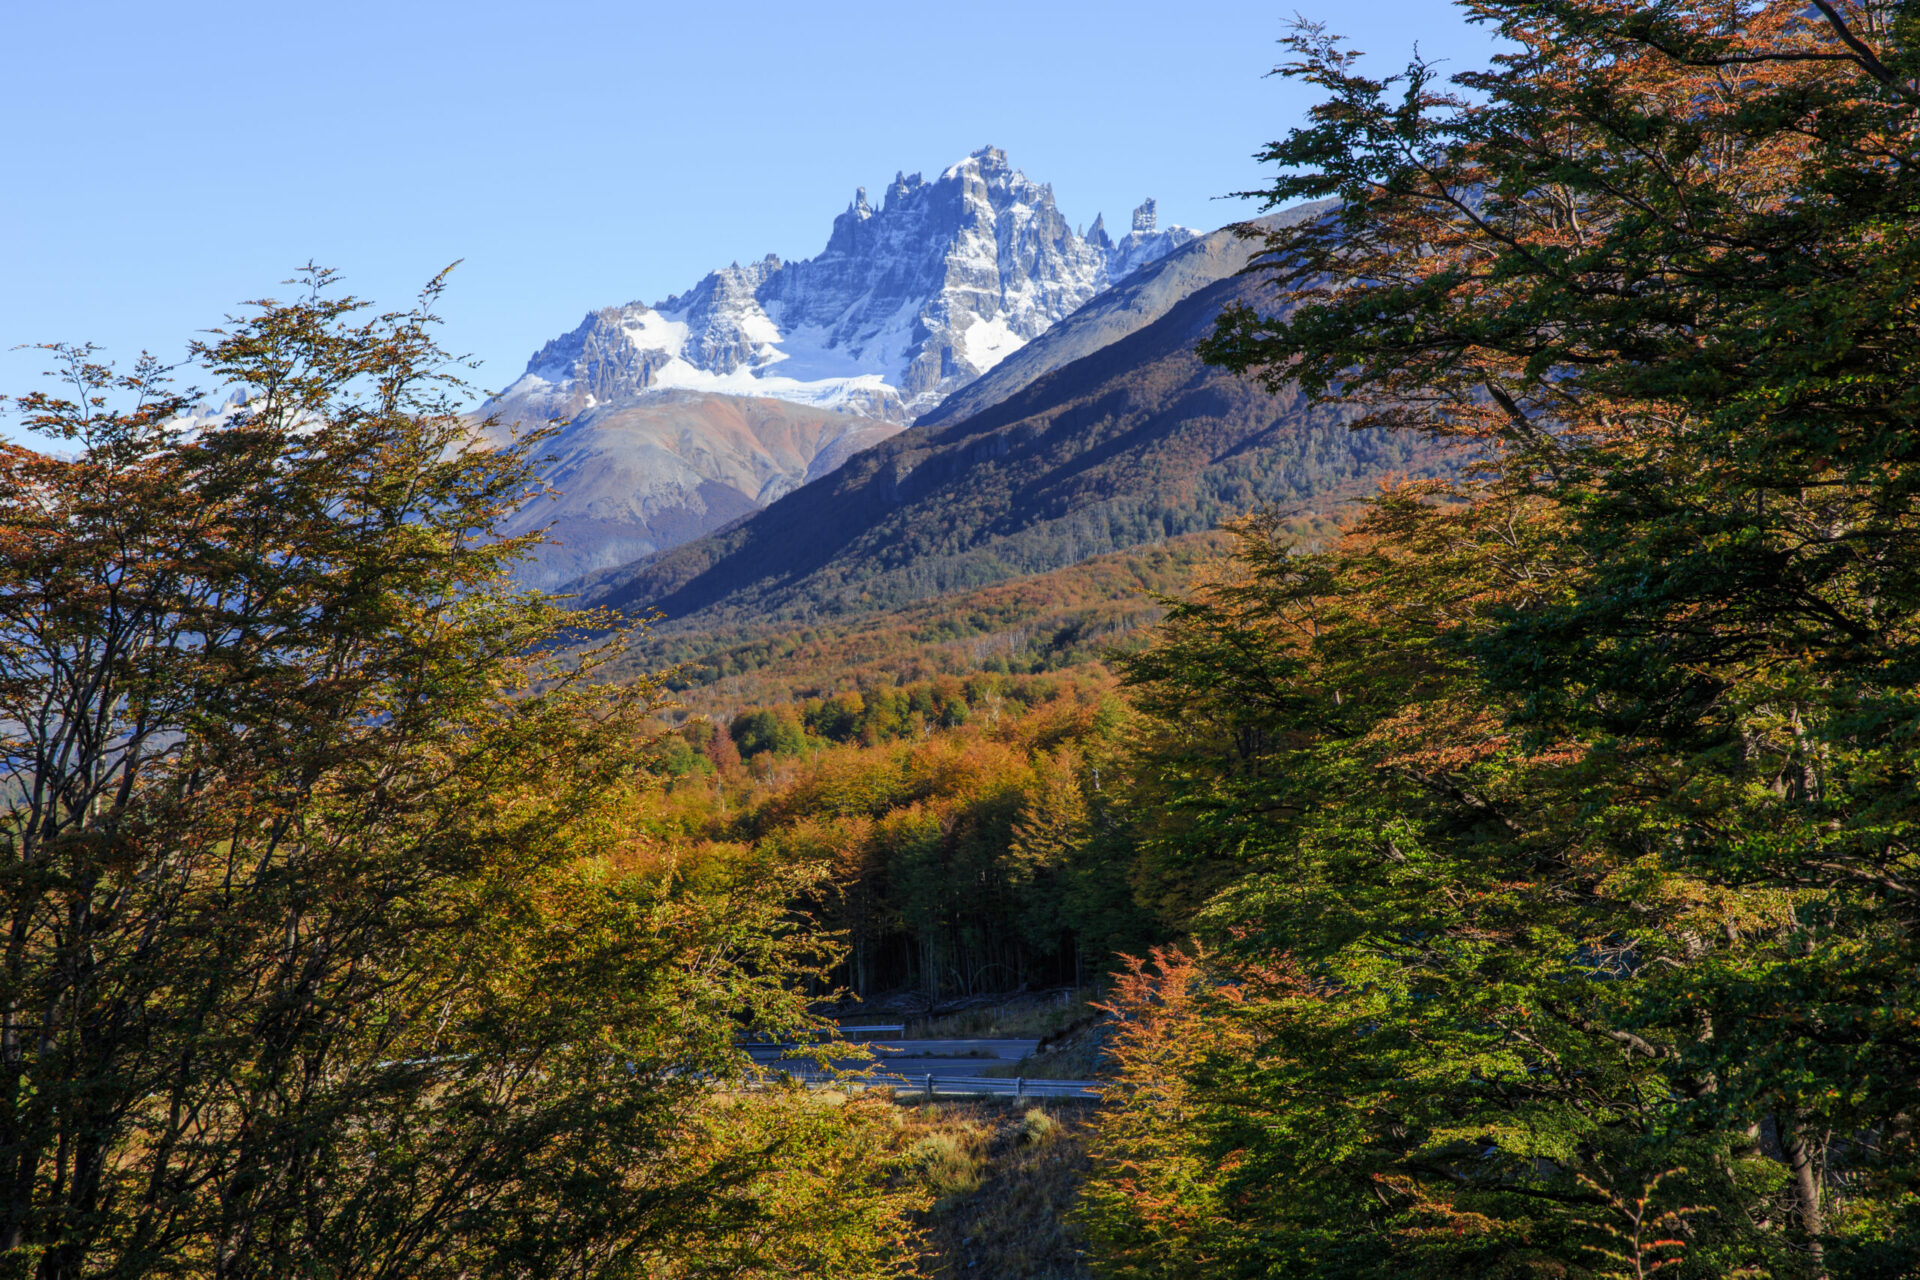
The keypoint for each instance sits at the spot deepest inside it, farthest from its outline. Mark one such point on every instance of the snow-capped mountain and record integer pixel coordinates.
(907, 303)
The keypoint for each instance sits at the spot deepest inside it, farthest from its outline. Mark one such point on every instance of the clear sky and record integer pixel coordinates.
(167, 160)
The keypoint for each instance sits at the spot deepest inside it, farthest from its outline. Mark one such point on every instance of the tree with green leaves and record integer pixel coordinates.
(329, 947)
(1568, 809)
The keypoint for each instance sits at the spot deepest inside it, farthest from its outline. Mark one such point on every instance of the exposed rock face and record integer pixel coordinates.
(907, 303)
(1136, 441)
(710, 404)
(1097, 234)
(1144, 244)
(597, 362)
(1133, 304)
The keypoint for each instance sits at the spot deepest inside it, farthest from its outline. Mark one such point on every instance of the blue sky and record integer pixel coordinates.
(168, 160)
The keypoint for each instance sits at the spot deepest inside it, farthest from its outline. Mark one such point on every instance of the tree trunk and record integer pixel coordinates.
(1806, 1187)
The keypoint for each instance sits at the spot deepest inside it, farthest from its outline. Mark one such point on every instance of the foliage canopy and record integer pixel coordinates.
(1567, 810)
(330, 946)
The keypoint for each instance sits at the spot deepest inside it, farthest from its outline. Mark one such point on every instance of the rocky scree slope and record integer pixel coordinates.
(1136, 442)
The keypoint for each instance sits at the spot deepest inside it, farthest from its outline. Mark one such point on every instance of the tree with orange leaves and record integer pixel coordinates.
(1154, 1203)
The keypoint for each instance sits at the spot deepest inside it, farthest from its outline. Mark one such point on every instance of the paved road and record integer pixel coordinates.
(954, 1066)
(1007, 1050)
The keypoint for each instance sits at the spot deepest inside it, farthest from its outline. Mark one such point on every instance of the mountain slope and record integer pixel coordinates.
(905, 304)
(1133, 443)
(1129, 306)
(1051, 621)
(638, 476)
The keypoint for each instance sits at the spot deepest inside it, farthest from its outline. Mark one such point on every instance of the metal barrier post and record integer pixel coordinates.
(1019, 1086)
(929, 1084)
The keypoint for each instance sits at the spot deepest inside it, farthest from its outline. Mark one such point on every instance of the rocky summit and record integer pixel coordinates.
(908, 302)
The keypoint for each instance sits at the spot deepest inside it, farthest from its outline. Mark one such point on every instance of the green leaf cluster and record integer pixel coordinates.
(1564, 814)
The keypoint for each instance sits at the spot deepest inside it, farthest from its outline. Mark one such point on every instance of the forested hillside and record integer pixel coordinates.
(1045, 622)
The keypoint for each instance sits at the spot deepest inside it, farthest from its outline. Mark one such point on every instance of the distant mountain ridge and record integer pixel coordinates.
(1131, 305)
(907, 303)
(1132, 443)
(686, 415)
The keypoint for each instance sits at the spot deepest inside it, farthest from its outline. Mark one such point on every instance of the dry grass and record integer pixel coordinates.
(1005, 1179)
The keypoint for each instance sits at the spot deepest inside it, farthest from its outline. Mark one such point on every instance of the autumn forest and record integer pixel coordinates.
(1503, 868)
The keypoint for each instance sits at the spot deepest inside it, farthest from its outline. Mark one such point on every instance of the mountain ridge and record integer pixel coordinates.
(1126, 307)
(905, 304)
(1134, 442)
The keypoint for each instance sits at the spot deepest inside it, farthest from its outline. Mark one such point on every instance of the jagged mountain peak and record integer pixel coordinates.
(988, 159)
(1097, 233)
(906, 303)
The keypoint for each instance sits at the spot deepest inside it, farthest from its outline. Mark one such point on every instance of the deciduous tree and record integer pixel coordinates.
(320, 955)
